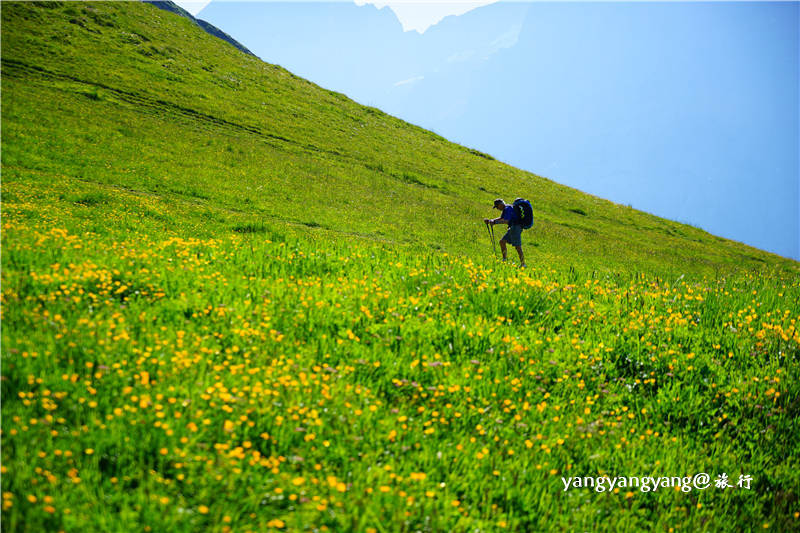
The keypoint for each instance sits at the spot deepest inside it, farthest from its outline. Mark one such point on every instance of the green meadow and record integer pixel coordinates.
(235, 301)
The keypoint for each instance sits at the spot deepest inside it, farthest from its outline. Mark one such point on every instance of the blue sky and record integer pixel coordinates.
(690, 111)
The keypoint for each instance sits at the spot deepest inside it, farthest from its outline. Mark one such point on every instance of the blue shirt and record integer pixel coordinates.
(509, 214)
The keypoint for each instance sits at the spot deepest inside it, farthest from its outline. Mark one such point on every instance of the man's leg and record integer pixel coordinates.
(521, 256)
(503, 248)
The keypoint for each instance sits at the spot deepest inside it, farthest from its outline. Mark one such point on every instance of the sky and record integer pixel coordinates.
(689, 111)
(419, 16)
(413, 15)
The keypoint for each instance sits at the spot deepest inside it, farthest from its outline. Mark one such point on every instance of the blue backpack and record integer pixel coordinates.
(524, 212)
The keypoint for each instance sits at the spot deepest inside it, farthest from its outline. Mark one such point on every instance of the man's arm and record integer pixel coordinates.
(493, 221)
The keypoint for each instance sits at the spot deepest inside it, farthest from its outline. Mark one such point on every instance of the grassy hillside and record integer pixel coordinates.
(232, 300)
(128, 96)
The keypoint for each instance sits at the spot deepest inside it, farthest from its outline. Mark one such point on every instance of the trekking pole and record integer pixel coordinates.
(490, 229)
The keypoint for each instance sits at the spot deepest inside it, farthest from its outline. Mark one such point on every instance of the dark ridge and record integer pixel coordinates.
(208, 28)
(480, 154)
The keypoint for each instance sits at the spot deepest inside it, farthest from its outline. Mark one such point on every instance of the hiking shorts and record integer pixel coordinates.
(514, 235)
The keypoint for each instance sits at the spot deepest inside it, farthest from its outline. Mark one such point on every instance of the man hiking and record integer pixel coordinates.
(514, 234)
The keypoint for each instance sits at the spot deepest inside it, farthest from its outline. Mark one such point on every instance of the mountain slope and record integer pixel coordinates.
(221, 311)
(571, 91)
(246, 133)
(208, 28)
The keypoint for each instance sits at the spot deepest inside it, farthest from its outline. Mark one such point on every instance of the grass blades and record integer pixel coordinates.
(233, 301)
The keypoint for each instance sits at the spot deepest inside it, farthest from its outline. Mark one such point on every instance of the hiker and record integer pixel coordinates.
(514, 234)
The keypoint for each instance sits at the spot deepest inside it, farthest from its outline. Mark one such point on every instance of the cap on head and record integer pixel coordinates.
(499, 201)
